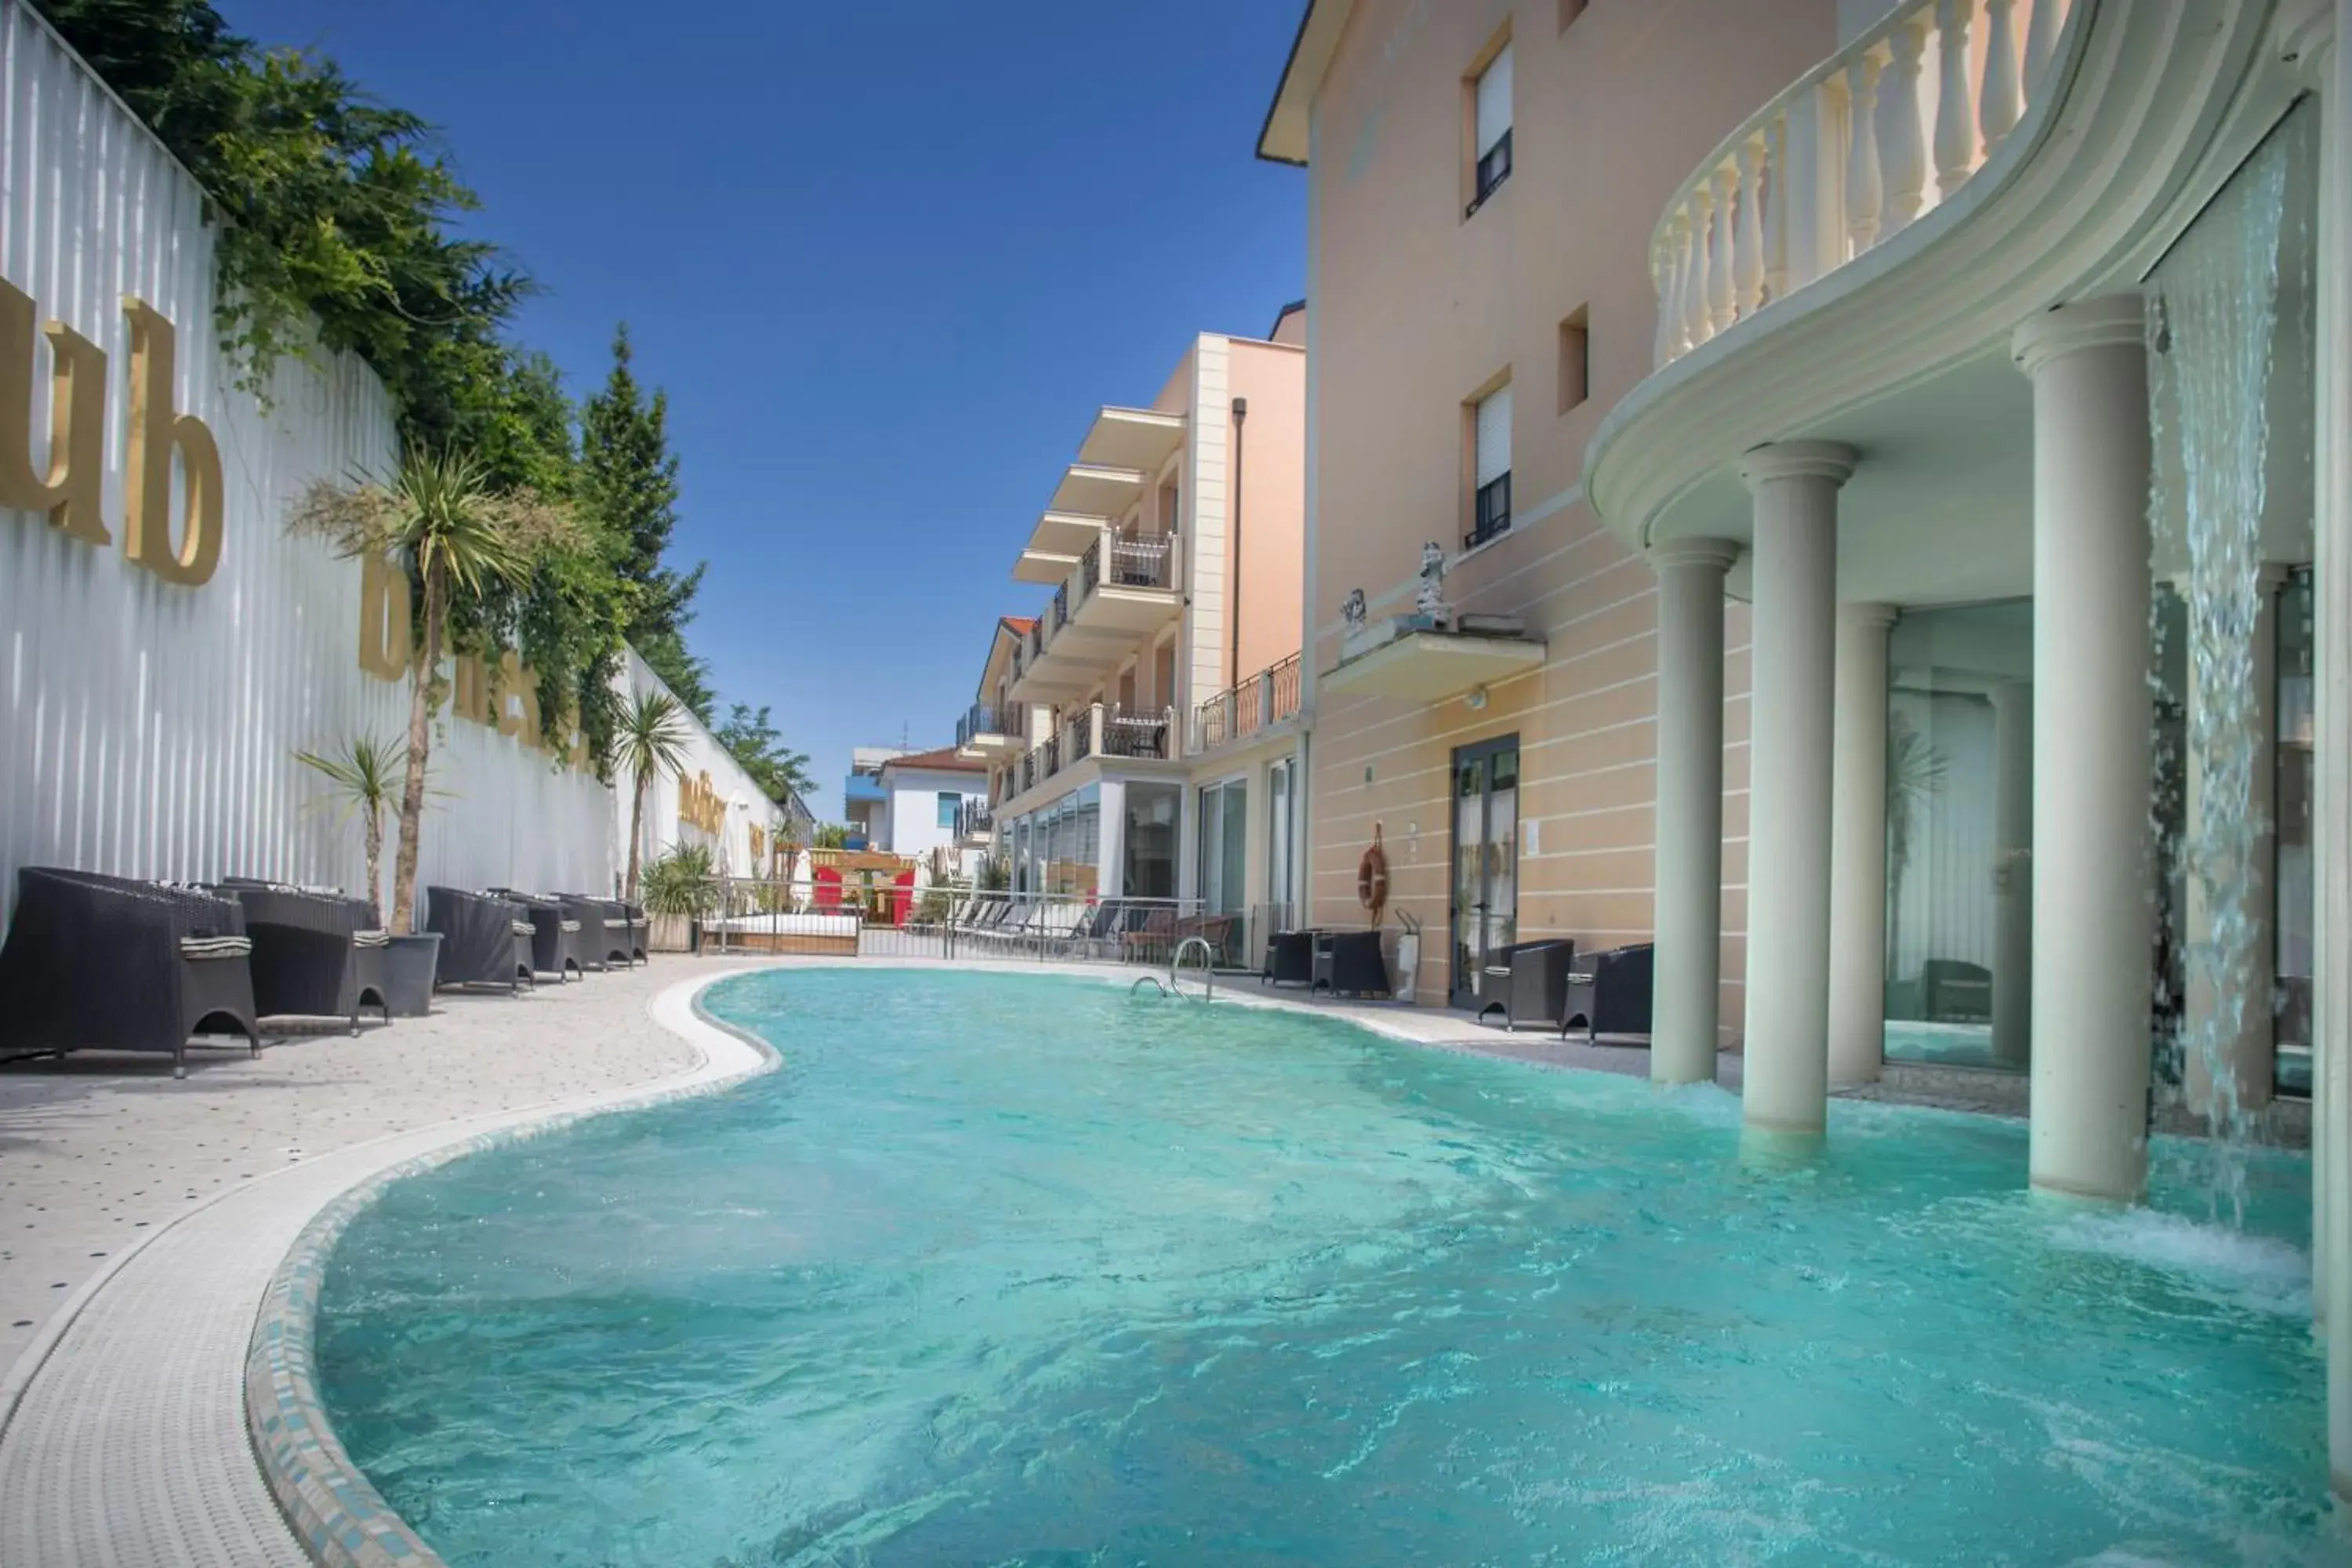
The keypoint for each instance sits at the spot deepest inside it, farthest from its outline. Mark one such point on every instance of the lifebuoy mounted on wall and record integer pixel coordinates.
(1372, 878)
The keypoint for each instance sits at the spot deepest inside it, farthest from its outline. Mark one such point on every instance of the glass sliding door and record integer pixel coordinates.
(1484, 907)
(1224, 846)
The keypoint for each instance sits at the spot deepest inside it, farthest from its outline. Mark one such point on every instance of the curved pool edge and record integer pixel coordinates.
(333, 1510)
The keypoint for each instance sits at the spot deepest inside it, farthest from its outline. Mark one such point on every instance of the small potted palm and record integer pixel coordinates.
(364, 776)
(680, 887)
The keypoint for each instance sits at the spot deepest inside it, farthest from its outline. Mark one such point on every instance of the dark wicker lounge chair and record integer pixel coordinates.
(95, 962)
(315, 955)
(1355, 965)
(612, 934)
(485, 939)
(552, 949)
(1290, 959)
(1609, 992)
(583, 931)
(1527, 982)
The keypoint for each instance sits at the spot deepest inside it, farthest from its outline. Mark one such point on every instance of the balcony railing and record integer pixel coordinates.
(1142, 563)
(1267, 699)
(975, 819)
(982, 719)
(1142, 736)
(1881, 131)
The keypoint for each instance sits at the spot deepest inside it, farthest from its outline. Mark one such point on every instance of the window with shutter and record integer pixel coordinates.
(1492, 142)
(1491, 471)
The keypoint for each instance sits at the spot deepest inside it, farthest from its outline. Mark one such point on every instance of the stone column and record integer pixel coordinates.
(1686, 982)
(2330, 69)
(2248, 1047)
(2012, 873)
(2092, 919)
(1786, 1075)
(1858, 847)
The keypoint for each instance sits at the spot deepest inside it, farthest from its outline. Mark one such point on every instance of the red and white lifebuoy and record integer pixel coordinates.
(1372, 878)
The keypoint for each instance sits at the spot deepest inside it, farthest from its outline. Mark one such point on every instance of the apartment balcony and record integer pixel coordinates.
(987, 731)
(1121, 590)
(1259, 706)
(975, 824)
(1137, 440)
(1098, 738)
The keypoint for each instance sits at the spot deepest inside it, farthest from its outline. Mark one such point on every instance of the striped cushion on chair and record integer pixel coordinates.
(371, 939)
(571, 925)
(524, 928)
(215, 947)
(618, 925)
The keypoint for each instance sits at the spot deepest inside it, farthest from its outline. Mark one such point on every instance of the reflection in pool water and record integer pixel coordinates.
(1021, 1269)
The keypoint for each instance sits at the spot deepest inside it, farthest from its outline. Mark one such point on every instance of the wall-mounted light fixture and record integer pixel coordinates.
(1477, 700)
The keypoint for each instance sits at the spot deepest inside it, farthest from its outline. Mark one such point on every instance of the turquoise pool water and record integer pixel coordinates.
(1010, 1270)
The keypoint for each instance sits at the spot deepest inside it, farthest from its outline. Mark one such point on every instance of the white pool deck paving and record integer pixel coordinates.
(145, 1220)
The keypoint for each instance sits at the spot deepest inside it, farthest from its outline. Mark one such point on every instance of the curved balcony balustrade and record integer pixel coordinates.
(1847, 157)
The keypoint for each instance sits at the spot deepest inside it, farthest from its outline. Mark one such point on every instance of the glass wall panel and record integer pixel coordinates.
(1151, 824)
(1223, 852)
(2295, 648)
(1960, 801)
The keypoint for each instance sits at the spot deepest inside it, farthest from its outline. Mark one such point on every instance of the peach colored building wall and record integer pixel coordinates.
(1418, 310)
(1271, 575)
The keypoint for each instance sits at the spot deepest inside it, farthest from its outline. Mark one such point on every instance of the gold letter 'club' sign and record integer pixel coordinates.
(69, 492)
(699, 804)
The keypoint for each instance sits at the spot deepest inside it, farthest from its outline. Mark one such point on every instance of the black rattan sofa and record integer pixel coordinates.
(96, 962)
(315, 955)
(1290, 959)
(485, 939)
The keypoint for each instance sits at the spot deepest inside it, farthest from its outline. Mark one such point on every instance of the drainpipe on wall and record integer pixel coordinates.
(1234, 578)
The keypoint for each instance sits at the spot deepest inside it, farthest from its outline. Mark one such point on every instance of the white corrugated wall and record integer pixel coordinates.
(662, 825)
(149, 728)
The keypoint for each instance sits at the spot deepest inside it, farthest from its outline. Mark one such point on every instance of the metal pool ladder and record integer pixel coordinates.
(1208, 966)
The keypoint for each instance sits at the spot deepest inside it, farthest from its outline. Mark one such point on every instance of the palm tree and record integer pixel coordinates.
(361, 772)
(438, 519)
(1916, 768)
(649, 738)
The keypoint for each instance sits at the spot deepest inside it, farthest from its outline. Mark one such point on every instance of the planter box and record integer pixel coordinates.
(409, 963)
(669, 933)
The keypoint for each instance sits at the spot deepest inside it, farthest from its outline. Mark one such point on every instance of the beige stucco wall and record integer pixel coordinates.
(1419, 310)
(1274, 502)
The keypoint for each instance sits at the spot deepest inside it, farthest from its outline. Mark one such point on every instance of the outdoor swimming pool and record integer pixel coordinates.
(1017, 1270)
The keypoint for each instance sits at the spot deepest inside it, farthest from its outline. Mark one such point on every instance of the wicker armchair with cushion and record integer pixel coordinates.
(551, 948)
(583, 931)
(1154, 939)
(612, 937)
(95, 962)
(315, 954)
(485, 939)
(1527, 982)
(1609, 992)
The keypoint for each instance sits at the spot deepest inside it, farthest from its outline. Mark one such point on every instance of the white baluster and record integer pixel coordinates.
(2004, 98)
(1748, 243)
(1677, 303)
(1863, 192)
(1661, 281)
(1956, 123)
(1901, 147)
(1776, 208)
(2040, 43)
(1722, 265)
(1702, 209)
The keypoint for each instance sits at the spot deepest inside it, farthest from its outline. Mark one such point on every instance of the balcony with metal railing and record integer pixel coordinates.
(975, 821)
(987, 730)
(1123, 588)
(1247, 709)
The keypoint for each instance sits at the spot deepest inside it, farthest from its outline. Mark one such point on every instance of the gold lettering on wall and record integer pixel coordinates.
(699, 804)
(156, 432)
(387, 637)
(72, 489)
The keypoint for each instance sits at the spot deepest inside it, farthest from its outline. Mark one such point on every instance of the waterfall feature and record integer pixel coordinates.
(2214, 317)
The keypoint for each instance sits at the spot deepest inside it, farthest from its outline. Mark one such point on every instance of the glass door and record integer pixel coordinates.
(1485, 913)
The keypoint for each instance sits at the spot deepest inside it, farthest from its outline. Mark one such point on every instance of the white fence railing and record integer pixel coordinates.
(1847, 157)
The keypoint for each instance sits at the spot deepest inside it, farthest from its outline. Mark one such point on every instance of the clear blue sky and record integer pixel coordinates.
(887, 260)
